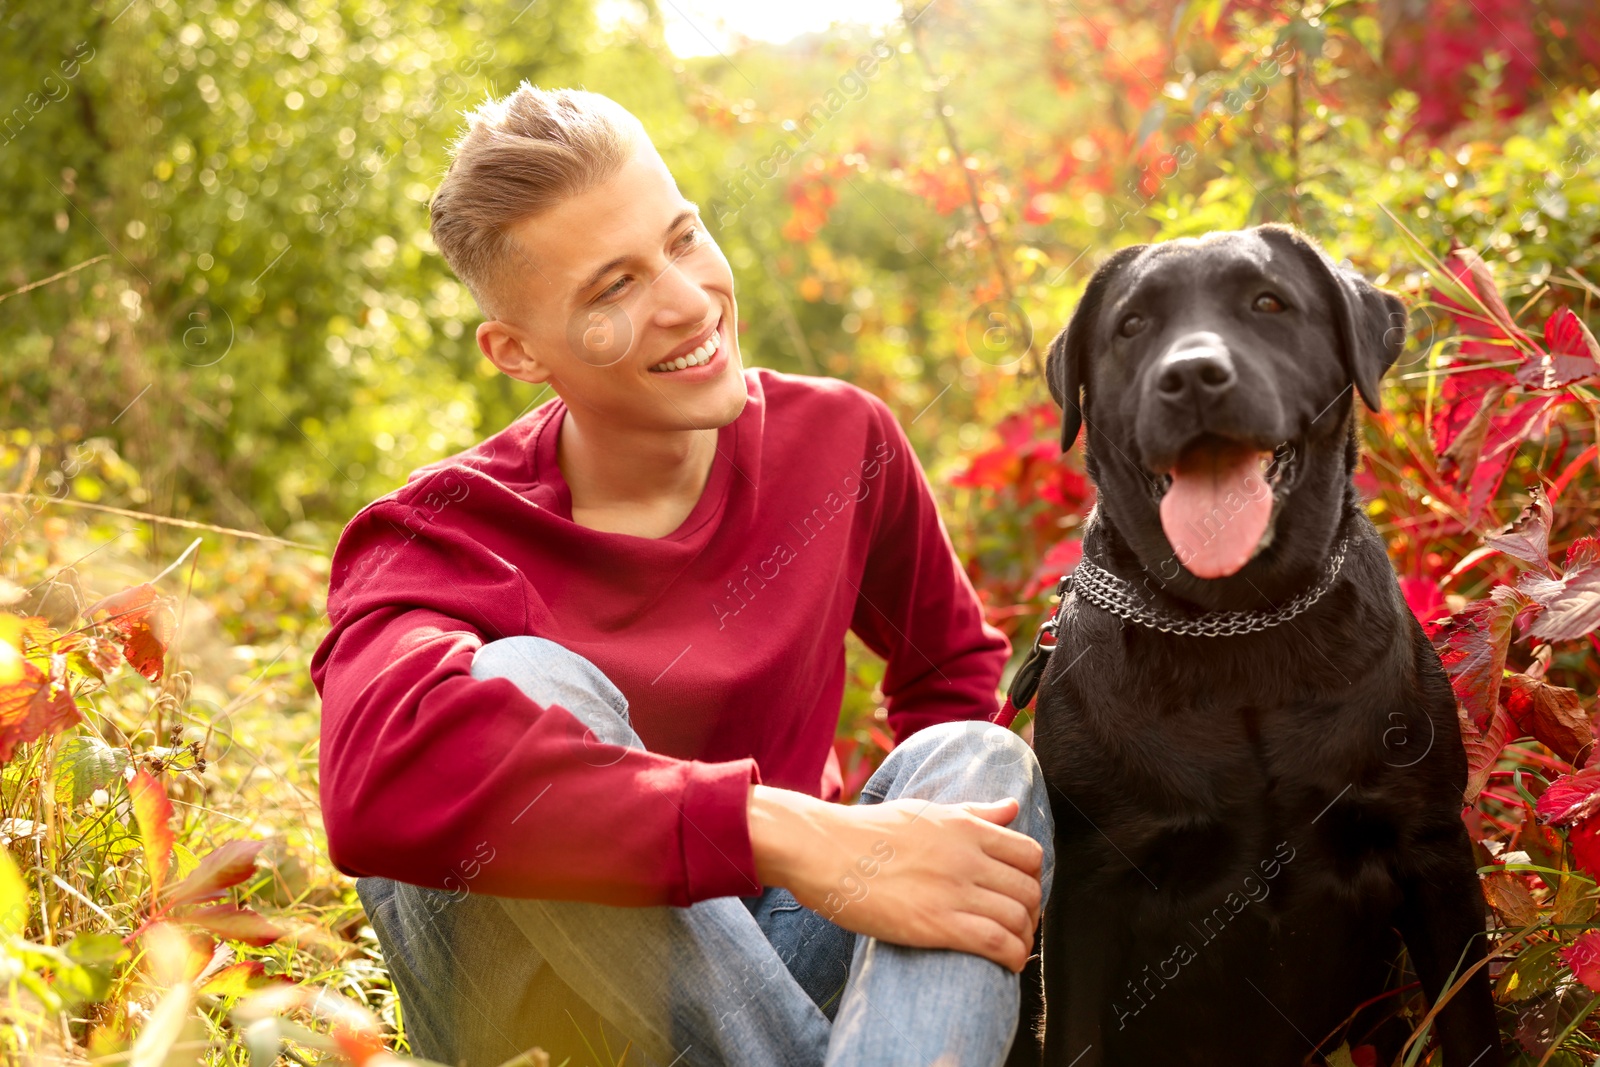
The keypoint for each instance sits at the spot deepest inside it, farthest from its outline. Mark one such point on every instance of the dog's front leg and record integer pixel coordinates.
(1442, 911)
(1026, 1047)
(1074, 965)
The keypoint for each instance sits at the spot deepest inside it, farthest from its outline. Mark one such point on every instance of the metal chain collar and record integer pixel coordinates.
(1121, 598)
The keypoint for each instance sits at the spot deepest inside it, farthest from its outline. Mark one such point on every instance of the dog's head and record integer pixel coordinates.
(1213, 377)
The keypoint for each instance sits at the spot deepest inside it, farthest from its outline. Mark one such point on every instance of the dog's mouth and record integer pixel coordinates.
(1220, 499)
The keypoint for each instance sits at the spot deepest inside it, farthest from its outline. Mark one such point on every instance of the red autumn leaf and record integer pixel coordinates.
(1571, 603)
(1541, 844)
(1483, 747)
(1484, 313)
(1583, 552)
(153, 811)
(1503, 433)
(1472, 647)
(96, 656)
(1571, 798)
(359, 1045)
(1527, 537)
(1572, 354)
(1585, 839)
(1582, 957)
(1423, 597)
(1551, 714)
(225, 866)
(233, 924)
(1062, 557)
(35, 705)
(144, 620)
(995, 468)
(1461, 395)
(1476, 435)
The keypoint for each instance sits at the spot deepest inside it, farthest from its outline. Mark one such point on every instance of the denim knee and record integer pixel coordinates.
(550, 673)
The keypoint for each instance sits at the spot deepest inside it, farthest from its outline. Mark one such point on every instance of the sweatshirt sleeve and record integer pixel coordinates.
(439, 779)
(916, 606)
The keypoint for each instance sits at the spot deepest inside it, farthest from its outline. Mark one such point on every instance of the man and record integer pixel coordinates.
(582, 680)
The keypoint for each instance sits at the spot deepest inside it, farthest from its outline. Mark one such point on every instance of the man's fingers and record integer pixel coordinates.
(982, 936)
(1009, 846)
(1003, 910)
(999, 811)
(1006, 879)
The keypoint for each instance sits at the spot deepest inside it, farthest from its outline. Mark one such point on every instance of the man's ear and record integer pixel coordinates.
(1066, 367)
(502, 345)
(1371, 322)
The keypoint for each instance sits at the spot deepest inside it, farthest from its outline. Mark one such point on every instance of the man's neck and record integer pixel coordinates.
(625, 480)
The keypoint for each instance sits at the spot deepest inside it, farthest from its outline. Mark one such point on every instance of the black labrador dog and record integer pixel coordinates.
(1252, 750)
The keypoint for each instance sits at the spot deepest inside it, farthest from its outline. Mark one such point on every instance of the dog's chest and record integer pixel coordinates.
(1192, 788)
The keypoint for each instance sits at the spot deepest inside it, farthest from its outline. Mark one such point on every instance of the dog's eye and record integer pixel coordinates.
(1131, 325)
(1268, 303)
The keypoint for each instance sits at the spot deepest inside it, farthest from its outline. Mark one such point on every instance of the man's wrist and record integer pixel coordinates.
(780, 821)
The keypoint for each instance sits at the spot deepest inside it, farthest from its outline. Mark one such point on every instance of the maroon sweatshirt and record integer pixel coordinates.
(726, 636)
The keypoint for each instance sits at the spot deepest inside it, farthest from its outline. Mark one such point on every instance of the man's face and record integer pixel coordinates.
(608, 287)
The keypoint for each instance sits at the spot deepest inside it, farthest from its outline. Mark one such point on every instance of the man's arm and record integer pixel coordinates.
(436, 778)
(916, 607)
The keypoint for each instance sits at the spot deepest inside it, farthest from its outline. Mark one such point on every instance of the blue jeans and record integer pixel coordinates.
(733, 980)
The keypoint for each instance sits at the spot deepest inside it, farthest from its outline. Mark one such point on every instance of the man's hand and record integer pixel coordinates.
(910, 872)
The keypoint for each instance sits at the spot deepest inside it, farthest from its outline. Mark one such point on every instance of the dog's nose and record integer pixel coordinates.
(1195, 367)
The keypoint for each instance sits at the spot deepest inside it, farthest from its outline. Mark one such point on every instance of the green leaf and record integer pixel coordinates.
(1532, 973)
(95, 949)
(78, 985)
(1368, 34)
(1575, 900)
(86, 763)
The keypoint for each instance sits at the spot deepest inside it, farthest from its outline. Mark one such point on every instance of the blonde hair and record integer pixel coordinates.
(519, 156)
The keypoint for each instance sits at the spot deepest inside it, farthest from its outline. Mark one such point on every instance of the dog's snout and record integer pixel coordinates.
(1197, 366)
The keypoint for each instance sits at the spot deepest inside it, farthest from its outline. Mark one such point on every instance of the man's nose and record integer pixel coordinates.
(1196, 367)
(680, 297)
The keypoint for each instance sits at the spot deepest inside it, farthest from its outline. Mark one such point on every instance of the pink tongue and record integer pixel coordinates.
(1216, 508)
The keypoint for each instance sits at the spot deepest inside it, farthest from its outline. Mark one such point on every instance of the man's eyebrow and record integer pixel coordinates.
(692, 211)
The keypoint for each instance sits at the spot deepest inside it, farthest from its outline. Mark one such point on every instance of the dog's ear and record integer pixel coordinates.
(1374, 332)
(1066, 368)
(1370, 321)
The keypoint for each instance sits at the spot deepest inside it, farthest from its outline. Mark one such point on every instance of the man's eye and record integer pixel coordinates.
(614, 289)
(690, 238)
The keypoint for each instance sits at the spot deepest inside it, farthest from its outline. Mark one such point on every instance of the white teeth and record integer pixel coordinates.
(696, 358)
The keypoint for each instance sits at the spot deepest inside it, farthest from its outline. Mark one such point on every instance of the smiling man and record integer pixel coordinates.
(582, 680)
